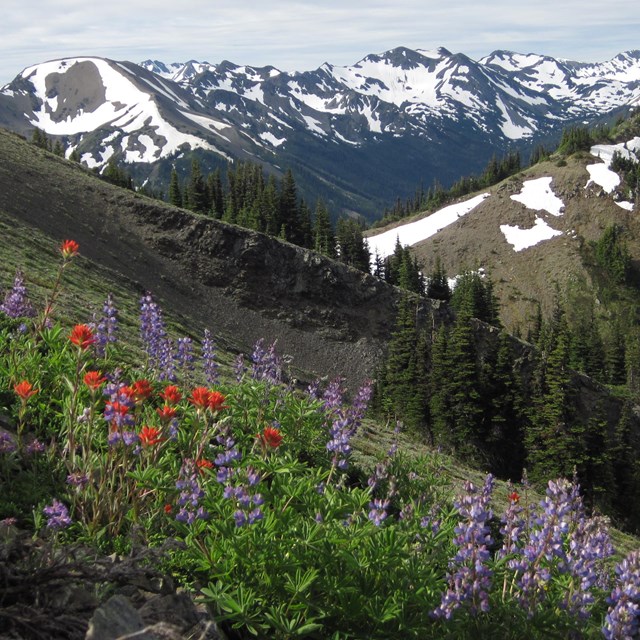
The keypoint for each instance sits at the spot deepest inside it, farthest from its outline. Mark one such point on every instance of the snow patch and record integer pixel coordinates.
(267, 136)
(538, 195)
(384, 244)
(524, 238)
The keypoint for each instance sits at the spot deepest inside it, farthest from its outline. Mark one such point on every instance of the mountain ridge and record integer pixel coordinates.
(387, 123)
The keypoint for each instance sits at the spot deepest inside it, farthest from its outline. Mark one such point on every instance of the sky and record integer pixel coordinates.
(300, 36)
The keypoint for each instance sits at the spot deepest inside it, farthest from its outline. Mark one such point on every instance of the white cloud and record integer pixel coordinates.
(302, 35)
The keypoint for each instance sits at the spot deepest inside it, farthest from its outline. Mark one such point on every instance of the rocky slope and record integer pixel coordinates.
(328, 319)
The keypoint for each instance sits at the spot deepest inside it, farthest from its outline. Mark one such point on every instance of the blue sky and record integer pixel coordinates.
(298, 35)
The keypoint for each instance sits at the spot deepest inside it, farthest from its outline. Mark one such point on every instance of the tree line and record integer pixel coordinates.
(496, 402)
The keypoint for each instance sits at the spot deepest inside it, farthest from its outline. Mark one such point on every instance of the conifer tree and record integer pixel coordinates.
(175, 193)
(323, 236)
(197, 189)
(437, 283)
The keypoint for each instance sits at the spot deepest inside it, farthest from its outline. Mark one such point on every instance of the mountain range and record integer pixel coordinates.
(358, 136)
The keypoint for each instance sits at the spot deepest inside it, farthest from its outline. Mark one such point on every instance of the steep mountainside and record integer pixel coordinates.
(328, 319)
(530, 232)
(358, 135)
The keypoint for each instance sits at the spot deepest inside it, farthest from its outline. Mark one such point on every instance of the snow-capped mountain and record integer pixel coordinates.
(370, 131)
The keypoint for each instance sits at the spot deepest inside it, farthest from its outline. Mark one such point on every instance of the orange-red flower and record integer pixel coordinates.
(216, 401)
(141, 390)
(24, 389)
(167, 508)
(93, 379)
(200, 397)
(150, 436)
(271, 437)
(203, 463)
(166, 413)
(171, 394)
(82, 336)
(69, 249)
(514, 497)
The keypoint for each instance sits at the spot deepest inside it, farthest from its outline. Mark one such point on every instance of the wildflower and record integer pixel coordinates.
(184, 354)
(378, 511)
(93, 379)
(141, 390)
(190, 493)
(514, 497)
(77, 479)
(209, 363)
(35, 446)
(469, 576)
(158, 346)
(623, 617)
(24, 390)
(7, 445)
(271, 437)
(267, 365)
(16, 303)
(171, 394)
(106, 327)
(150, 436)
(82, 336)
(57, 515)
(200, 397)
(167, 508)
(216, 401)
(203, 463)
(69, 249)
(166, 413)
(239, 367)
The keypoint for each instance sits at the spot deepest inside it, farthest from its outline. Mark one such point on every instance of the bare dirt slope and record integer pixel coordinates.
(329, 319)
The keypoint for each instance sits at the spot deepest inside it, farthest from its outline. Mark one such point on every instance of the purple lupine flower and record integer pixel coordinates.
(313, 390)
(78, 479)
(166, 364)
(545, 544)
(209, 363)
(267, 365)
(184, 355)
(588, 550)
(623, 617)
(57, 515)
(152, 331)
(106, 327)
(35, 446)
(190, 493)
(513, 525)
(16, 301)
(469, 576)
(345, 421)
(239, 367)
(7, 445)
(378, 510)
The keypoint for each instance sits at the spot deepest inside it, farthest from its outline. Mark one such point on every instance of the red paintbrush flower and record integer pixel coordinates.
(150, 436)
(171, 394)
(69, 249)
(82, 336)
(200, 397)
(141, 390)
(24, 390)
(166, 413)
(514, 497)
(93, 379)
(271, 437)
(216, 401)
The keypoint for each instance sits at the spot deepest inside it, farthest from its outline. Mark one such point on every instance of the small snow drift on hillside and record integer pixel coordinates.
(383, 244)
(601, 173)
(537, 195)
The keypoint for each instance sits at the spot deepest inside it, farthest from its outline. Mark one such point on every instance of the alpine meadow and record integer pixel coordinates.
(351, 353)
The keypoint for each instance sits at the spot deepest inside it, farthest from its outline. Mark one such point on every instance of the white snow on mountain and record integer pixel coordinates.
(524, 238)
(538, 195)
(601, 174)
(125, 107)
(383, 244)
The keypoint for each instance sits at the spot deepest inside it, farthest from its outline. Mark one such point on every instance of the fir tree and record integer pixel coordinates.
(323, 237)
(175, 193)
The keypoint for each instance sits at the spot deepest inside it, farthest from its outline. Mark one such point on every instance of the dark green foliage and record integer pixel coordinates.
(116, 175)
(437, 283)
(612, 254)
(352, 247)
(575, 139)
(40, 139)
(175, 193)
(402, 270)
(323, 237)
(473, 295)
